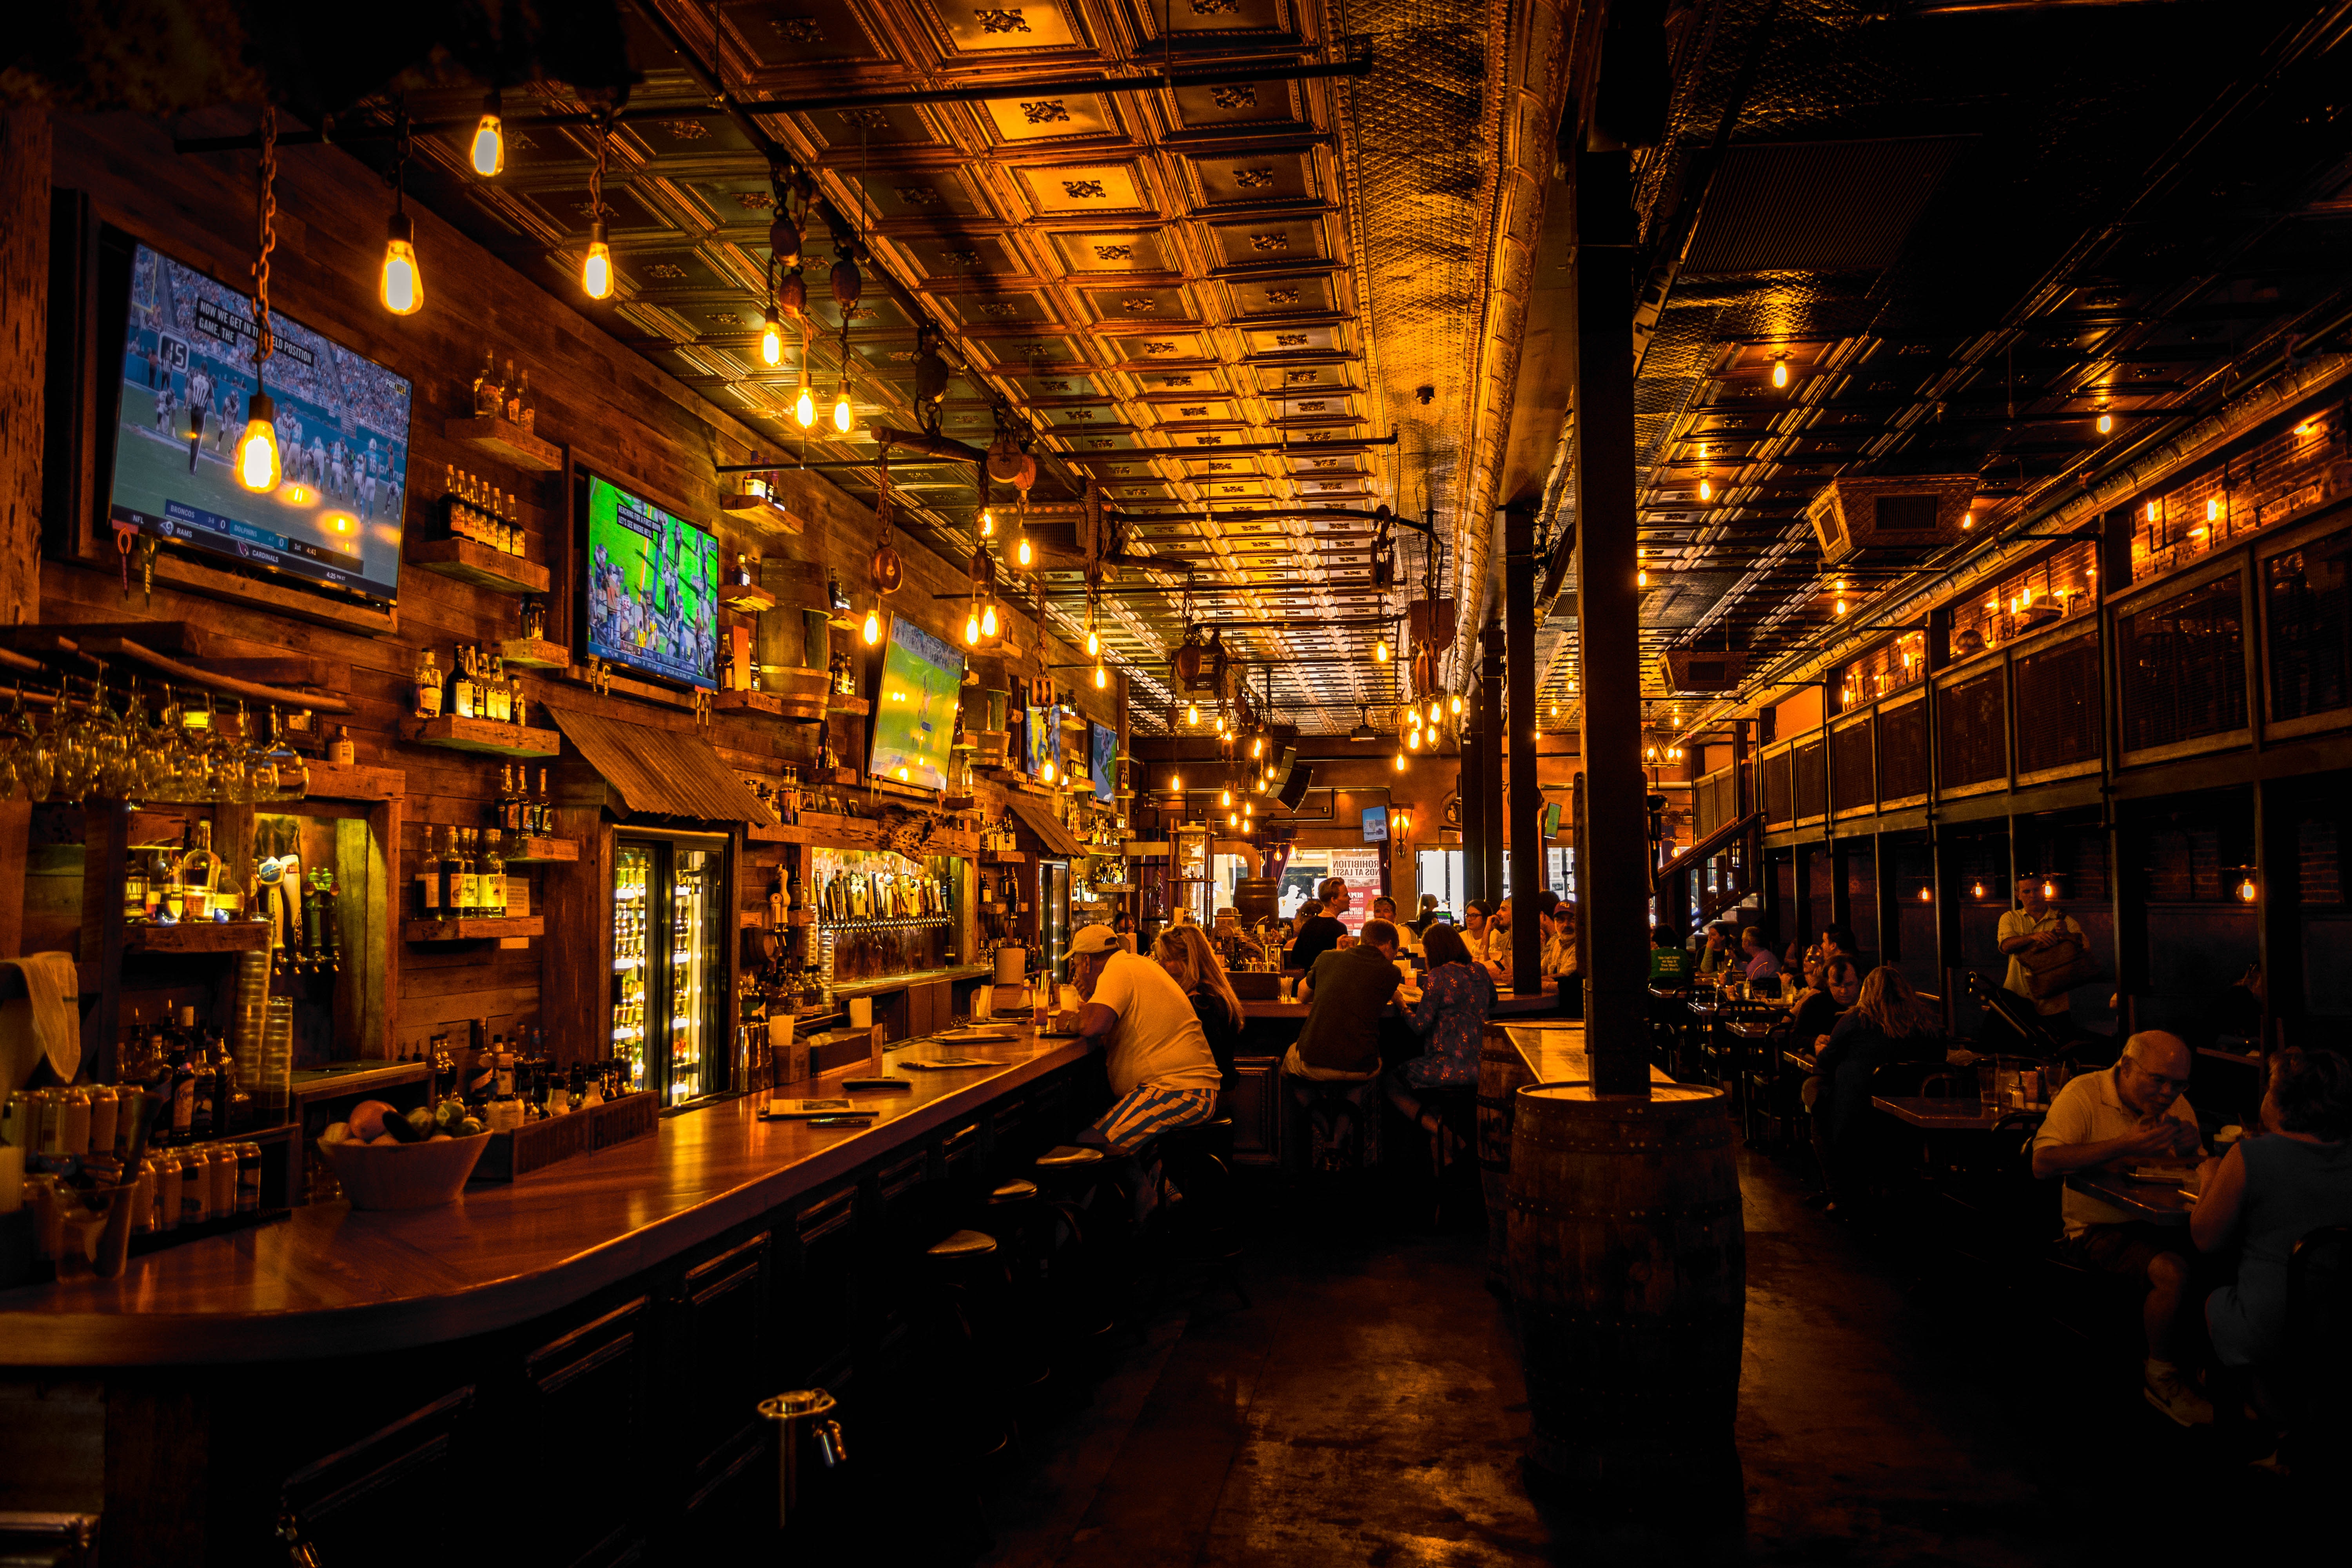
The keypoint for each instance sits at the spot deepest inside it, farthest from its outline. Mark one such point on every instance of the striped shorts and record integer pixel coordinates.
(1144, 1112)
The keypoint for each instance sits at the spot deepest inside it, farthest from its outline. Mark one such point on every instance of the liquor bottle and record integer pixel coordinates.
(534, 619)
(469, 879)
(134, 889)
(518, 706)
(530, 420)
(199, 872)
(543, 821)
(742, 571)
(428, 687)
(487, 392)
(203, 1102)
(183, 1098)
(462, 690)
(449, 876)
(501, 696)
(494, 880)
(511, 398)
(502, 1070)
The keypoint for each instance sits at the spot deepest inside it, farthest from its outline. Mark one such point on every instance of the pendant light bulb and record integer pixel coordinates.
(1046, 773)
(1454, 704)
(402, 289)
(771, 339)
(1380, 651)
(1706, 490)
(2106, 423)
(1225, 796)
(971, 628)
(843, 416)
(489, 152)
(1400, 759)
(256, 450)
(1412, 738)
(1780, 372)
(988, 622)
(1102, 679)
(987, 523)
(1233, 819)
(1434, 714)
(1023, 556)
(1093, 643)
(872, 630)
(1193, 713)
(1175, 784)
(804, 410)
(596, 271)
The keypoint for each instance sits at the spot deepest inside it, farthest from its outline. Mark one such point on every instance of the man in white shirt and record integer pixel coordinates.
(2033, 927)
(2133, 1113)
(1162, 1074)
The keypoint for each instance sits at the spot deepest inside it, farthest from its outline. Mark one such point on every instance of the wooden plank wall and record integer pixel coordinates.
(616, 412)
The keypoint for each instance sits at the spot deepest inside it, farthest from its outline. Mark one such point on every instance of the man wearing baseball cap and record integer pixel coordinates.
(1162, 1074)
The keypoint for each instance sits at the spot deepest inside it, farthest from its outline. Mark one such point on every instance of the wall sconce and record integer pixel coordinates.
(2248, 890)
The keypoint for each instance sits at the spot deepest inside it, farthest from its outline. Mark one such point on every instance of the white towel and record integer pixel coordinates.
(42, 1021)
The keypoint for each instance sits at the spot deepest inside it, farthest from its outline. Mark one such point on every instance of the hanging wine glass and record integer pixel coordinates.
(35, 764)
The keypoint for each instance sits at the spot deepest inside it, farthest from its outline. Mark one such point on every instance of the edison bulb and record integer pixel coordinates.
(1257, 747)
(1225, 796)
(256, 450)
(1093, 643)
(489, 149)
(1706, 490)
(403, 288)
(873, 627)
(804, 410)
(771, 339)
(1413, 740)
(1102, 677)
(1453, 703)
(1380, 651)
(1968, 520)
(988, 620)
(1046, 773)
(1434, 714)
(2106, 423)
(843, 416)
(1780, 372)
(987, 523)
(1022, 554)
(1176, 783)
(1233, 819)
(1926, 896)
(596, 270)
(1642, 578)
(1193, 713)
(1399, 762)
(972, 629)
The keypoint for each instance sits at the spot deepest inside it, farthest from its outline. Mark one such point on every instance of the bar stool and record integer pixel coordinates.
(965, 1269)
(1092, 1276)
(1343, 1118)
(1197, 1219)
(1450, 1162)
(1027, 1227)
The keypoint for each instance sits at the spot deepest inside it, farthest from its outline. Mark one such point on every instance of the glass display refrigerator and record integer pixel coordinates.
(670, 994)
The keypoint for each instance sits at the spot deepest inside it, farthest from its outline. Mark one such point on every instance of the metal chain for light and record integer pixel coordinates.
(265, 216)
(596, 175)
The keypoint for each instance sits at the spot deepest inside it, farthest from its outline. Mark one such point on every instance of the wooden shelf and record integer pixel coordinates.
(350, 781)
(744, 701)
(535, 653)
(498, 740)
(769, 832)
(509, 443)
(762, 512)
(855, 706)
(839, 776)
(479, 564)
(746, 600)
(472, 929)
(1003, 857)
(546, 851)
(197, 936)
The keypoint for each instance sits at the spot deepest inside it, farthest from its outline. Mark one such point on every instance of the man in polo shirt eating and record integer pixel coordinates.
(2133, 1113)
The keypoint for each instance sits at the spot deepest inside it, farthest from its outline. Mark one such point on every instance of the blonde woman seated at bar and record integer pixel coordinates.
(1185, 953)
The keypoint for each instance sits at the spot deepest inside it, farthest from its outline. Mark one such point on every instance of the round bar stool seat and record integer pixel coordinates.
(1069, 1157)
(1019, 1190)
(963, 1244)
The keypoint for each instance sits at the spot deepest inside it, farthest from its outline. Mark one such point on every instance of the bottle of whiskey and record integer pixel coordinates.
(543, 819)
(487, 394)
(530, 416)
(428, 686)
(469, 880)
(463, 689)
(511, 398)
(494, 880)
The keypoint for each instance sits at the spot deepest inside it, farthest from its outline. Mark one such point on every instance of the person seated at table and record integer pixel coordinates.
(1715, 957)
(1556, 959)
(2269, 1193)
(1124, 924)
(1163, 1073)
(1670, 960)
(2131, 1113)
(1455, 999)
(1185, 953)
(1346, 993)
(1481, 936)
(1418, 925)
(1886, 1024)
(1384, 909)
(1759, 962)
(1321, 932)
(1811, 1018)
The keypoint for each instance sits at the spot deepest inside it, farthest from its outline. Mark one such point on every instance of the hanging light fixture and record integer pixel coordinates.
(1233, 819)
(257, 451)
(843, 416)
(1102, 676)
(1381, 650)
(1225, 795)
(805, 407)
(872, 629)
(988, 621)
(1191, 713)
(771, 337)
(1780, 371)
(1400, 759)
(596, 267)
(1706, 490)
(402, 287)
(2248, 890)
(1175, 784)
(2107, 422)
(1046, 773)
(1454, 704)
(489, 152)
(971, 627)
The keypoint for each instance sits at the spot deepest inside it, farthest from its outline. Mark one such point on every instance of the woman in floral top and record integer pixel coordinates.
(1456, 998)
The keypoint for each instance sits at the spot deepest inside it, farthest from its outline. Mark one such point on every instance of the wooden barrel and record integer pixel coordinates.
(1628, 1263)
(1501, 1071)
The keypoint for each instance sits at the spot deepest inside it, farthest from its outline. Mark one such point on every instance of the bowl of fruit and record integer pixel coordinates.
(387, 1159)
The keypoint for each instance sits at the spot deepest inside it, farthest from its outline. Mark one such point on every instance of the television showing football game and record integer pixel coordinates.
(1102, 759)
(333, 520)
(915, 707)
(652, 587)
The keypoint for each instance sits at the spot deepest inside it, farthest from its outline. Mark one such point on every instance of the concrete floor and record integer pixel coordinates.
(1368, 1410)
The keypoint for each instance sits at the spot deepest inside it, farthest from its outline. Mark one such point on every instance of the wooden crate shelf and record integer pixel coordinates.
(535, 653)
(855, 706)
(473, 928)
(546, 851)
(507, 442)
(479, 564)
(745, 701)
(769, 832)
(458, 735)
(1003, 857)
(745, 599)
(197, 936)
(350, 781)
(762, 512)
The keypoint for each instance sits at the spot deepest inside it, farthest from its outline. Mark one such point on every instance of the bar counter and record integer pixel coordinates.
(329, 1280)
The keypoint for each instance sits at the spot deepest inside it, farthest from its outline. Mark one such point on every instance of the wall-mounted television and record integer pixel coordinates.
(180, 398)
(915, 706)
(651, 586)
(1102, 758)
(1376, 825)
(1042, 727)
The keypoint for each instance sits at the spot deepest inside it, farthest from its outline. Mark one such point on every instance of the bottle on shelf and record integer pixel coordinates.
(463, 692)
(494, 881)
(500, 695)
(528, 418)
(487, 394)
(534, 619)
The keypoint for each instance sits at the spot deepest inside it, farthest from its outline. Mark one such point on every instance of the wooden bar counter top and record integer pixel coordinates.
(331, 1281)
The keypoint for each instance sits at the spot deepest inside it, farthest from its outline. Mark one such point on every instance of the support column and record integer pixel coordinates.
(1520, 568)
(1470, 789)
(25, 145)
(1616, 876)
(1490, 773)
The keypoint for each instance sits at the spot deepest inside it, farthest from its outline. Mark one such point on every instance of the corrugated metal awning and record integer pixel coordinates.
(660, 772)
(1057, 841)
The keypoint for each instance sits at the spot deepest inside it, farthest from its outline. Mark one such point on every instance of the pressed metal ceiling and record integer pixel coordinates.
(1218, 301)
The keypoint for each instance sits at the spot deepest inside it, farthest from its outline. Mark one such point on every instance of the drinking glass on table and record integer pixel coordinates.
(1989, 1080)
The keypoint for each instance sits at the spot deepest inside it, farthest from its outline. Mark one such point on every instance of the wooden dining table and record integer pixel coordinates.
(2158, 1203)
(1947, 1114)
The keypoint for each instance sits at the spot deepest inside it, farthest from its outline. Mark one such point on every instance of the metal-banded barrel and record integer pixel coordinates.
(1628, 1266)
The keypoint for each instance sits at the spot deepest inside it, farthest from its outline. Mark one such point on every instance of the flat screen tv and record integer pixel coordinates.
(915, 707)
(186, 372)
(1102, 757)
(1376, 825)
(1042, 727)
(652, 587)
